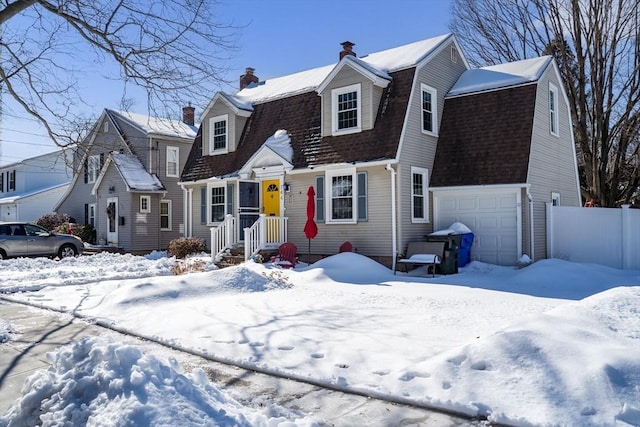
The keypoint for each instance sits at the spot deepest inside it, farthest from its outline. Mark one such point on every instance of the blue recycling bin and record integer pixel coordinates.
(464, 250)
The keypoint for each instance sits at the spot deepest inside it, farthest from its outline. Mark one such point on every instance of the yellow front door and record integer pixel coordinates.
(271, 208)
(271, 197)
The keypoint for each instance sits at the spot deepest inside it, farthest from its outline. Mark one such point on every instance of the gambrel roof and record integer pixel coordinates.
(487, 125)
(300, 116)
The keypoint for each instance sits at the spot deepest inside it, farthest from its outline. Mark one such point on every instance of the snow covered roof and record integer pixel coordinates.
(157, 126)
(498, 76)
(134, 174)
(379, 63)
(14, 197)
(280, 143)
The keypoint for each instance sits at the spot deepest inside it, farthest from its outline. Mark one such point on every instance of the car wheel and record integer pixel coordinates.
(67, 251)
(3, 255)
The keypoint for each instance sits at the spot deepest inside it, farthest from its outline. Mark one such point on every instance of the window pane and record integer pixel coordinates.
(348, 110)
(342, 201)
(217, 204)
(427, 111)
(220, 135)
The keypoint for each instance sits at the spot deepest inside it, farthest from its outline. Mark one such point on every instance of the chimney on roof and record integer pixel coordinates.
(247, 78)
(188, 115)
(347, 49)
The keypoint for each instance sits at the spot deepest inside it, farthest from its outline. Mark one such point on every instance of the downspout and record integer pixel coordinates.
(394, 238)
(531, 245)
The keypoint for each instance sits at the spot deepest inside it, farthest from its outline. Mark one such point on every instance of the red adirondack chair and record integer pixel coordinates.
(345, 247)
(287, 255)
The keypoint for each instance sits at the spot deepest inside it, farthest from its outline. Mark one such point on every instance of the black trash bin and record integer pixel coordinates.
(449, 263)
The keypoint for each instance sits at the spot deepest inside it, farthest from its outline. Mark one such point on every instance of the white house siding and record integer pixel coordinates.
(348, 76)
(370, 238)
(550, 155)
(418, 149)
(32, 207)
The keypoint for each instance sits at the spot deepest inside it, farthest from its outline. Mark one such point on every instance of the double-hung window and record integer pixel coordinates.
(173, 157)
(93, 168)
(1, 182)
(553, 110)
(165, 215)
(419, 195)
(218, 134)
(217, 203)
(343, 196)
(429, 109)
(346, 109)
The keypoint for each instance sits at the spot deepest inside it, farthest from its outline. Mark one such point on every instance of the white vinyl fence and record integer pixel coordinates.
(607, 236)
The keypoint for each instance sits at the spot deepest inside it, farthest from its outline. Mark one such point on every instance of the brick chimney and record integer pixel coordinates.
(247, 78)
(188, 115)
(347, 49)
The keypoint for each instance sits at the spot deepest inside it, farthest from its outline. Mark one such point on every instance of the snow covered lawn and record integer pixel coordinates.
(554, 343)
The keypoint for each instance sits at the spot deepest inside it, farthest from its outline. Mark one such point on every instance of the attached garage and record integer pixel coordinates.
(492, 213)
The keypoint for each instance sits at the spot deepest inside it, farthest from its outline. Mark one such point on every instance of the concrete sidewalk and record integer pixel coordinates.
(36, 332)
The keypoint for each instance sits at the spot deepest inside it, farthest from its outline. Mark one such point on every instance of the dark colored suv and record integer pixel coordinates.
(21, 239)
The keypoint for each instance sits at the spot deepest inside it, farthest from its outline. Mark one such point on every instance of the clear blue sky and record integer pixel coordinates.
(276, 37)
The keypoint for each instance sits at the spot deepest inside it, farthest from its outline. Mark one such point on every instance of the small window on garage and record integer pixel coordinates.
(555, 199)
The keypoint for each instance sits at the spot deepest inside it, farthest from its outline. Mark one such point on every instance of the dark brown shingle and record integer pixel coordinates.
(485, 138)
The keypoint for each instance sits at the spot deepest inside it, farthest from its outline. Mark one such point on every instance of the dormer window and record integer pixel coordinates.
(218, 134)
(346, 110)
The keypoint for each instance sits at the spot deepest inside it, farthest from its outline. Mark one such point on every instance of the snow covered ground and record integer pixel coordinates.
(555, 343)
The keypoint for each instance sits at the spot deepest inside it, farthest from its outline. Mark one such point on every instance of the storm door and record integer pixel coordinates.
(248, 206)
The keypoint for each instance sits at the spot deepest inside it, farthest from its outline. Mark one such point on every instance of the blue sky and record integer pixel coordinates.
(276, 37)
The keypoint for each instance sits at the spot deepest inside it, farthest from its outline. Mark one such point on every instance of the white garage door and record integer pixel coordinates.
(492, 216)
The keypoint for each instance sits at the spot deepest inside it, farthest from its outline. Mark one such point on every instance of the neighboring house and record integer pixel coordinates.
(376, 137)
(126, 186)
(32, 187)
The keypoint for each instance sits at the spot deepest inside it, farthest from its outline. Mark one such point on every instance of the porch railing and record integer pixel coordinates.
(267, 232)
(223, 236)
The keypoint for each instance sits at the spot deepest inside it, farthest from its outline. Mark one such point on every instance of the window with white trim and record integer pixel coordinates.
(91, 214)
(346, 105)
(553, 110)
(454, 54)
(218, 134)
(555, 199)
(345, 196)
(11, 180)
(93, 168)
(165, 215)
(145, 204)
(217, 203)
(429, 106)
(419, 195)
(173, 161)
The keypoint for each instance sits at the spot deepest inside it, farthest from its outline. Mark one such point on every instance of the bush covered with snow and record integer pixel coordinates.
(183, 247)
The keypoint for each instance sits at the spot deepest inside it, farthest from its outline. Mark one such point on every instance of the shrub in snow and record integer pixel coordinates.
(182, 247)
(52, 220)
(85, 232)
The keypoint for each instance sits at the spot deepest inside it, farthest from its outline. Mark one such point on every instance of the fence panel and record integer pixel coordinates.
(604, 236)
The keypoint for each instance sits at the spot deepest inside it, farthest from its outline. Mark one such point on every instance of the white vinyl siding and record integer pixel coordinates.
(219, 134)
(173, 162)
(165, 215)
(346, 113)
(419, 195)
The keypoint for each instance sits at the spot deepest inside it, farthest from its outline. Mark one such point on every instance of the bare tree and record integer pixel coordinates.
(173, 49)
(596, 44)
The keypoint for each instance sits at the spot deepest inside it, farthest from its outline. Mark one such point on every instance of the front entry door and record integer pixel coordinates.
(112, 221)
(271, 207)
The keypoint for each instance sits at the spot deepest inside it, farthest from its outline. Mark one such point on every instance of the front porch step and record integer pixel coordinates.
(235, 256)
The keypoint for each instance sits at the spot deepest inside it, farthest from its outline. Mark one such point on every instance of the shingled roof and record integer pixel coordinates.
(300, 116)
(485, 138)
